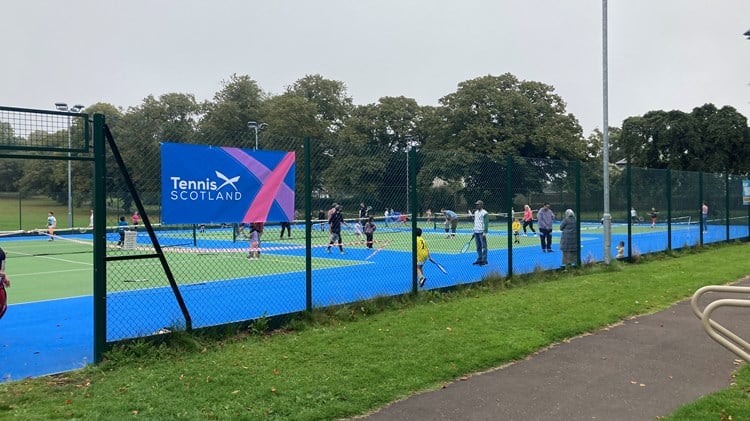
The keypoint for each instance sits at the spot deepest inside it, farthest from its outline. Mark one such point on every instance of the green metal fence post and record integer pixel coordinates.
(414, 213)
(308, 226)
(509, 208)
(100, 240)
(700, 210)
(726, 202)
(629, 200)
(578, 211)
(669, 209)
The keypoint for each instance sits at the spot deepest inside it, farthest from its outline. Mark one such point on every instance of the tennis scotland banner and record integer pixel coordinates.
(211, 184)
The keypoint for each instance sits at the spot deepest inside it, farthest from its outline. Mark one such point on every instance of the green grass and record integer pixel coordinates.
(345, 361)
(33, 213)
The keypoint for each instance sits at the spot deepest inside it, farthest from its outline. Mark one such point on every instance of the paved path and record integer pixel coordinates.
(643, 368)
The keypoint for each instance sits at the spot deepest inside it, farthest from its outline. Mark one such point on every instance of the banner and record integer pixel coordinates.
(210, 184)
(746, 192)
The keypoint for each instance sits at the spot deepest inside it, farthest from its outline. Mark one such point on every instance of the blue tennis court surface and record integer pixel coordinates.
(54, 336)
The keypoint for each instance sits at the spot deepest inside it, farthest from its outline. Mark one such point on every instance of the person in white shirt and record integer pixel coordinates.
(481, 227)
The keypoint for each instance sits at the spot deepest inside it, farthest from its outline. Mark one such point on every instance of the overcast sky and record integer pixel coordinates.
(663, 54)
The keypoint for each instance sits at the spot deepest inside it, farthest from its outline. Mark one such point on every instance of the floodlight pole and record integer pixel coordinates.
(607, 217)
(62, 106)
(256, 126)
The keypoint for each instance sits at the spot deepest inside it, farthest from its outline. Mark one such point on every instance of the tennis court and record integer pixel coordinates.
(49, 323)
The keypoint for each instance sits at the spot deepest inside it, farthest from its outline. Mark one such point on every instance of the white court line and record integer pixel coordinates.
(16, 275)
(51, 258)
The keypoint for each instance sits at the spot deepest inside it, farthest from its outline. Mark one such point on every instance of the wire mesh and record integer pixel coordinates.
(226, 272)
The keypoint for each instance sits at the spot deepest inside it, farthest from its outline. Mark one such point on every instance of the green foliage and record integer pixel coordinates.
(259, 326)
(707, 139)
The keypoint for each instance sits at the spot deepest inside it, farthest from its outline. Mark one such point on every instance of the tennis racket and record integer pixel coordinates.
(439, 266)
(467, 245)
(3, 300)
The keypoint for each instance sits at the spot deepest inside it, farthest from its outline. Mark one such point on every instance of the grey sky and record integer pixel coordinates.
(663, 54)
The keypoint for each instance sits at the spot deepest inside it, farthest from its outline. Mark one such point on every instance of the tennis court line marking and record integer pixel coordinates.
(53, 258)
(16, 275)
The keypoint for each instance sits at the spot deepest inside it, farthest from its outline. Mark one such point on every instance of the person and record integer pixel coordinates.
(334, 226)
(91, 219)
(481, 227)
(4, 280)
(286, 225)
(136, 219)
(330, 213)
(423, 253)
(322, 219)
(122, 226)
(258, 226)
(358, 231)
(386, 214)
(528, 219)
(402, 218)
(451, 222)
(428, 214)
(51, 225)
(254, 243)
(369, 231)
(516, 227)
(653, 215)
(545, 218)
(363, 213)
(620, 250)
(633, 216)
(704, 216)
(569, 239)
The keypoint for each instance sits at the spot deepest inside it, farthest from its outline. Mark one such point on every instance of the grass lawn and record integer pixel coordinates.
(33, 214)
(346, 361)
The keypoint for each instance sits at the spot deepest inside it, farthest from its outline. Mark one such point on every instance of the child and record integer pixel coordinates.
(422, 255)
(620, 250)
(369, 230)
(653, 214)
(322, 219)
(358, 230)
(516, 230)
(254, 243)
(122, 226)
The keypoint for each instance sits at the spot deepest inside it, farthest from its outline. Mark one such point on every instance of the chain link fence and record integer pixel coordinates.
(186, 276)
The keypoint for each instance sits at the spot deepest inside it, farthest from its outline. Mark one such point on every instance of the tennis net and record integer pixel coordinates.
(40, 243)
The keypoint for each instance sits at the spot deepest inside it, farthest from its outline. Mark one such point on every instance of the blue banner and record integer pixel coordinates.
(211, 184)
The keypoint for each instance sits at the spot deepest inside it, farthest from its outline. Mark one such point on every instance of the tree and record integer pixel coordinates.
(500, 115)
(370, 152)
(724, 134)
(707, 139)
(238, 102)
(170, 118)
(332, 102)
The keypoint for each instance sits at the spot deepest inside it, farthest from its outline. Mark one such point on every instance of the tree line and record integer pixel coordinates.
(489, 116)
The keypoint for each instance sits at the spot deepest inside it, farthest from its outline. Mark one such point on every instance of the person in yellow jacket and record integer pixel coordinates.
(423, 253)
(516, 227)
